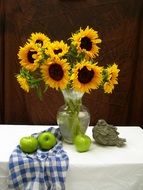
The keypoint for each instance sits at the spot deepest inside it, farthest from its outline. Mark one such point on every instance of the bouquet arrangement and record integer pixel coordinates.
(56, 64)
(71, 67)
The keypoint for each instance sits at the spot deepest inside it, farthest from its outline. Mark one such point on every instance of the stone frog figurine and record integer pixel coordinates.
(106, 134)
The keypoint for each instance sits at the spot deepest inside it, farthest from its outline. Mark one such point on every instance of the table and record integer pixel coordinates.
(101, 168)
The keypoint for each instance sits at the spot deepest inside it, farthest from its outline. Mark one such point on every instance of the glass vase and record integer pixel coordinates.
(73, 117)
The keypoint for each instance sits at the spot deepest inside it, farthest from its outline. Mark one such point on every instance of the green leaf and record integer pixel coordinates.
(39, 93)
(46, 88)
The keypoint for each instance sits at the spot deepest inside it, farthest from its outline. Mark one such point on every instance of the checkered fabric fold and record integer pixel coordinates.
(43, 170)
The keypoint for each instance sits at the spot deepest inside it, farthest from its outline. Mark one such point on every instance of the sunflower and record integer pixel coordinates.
(29, 56)
(108, 87)
(86, 76)
(23, 83)
(39, 38)
(57, 49)
(86, 41)
(55, 73)
(112, 72)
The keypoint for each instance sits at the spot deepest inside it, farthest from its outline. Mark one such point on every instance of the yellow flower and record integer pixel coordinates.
(108, 87)
(29, 56)
(23, 83)
(86, 76)
(55, 73)
(112, 72)
(86, 41)
(41, 39)
(57, 49)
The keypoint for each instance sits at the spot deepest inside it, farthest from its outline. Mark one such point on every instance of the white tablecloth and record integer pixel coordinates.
(101, 168)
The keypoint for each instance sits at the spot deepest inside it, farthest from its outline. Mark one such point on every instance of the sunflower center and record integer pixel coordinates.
(86, 43)
(84, 75)
(39, 42)
(30, 56)
(57, 51)
(56, 71)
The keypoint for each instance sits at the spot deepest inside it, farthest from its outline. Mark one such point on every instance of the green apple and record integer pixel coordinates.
(82, 142)
(46, 140)
(28, 144)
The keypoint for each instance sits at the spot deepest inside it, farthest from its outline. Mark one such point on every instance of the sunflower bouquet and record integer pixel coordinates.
(65, 66)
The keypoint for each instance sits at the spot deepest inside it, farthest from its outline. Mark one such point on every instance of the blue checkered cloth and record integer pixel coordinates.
(42, 170)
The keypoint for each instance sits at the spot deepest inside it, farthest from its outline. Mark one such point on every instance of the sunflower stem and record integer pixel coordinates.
(73, 105)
